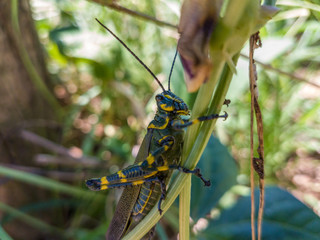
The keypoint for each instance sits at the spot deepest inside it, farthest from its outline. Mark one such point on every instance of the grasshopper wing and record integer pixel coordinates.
(122, 216)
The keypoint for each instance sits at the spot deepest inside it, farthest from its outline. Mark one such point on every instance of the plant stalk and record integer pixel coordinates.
(184, 210)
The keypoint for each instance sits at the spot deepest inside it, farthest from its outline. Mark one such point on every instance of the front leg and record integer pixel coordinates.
(181, 124)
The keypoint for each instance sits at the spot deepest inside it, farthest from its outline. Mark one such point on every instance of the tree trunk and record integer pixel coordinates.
(22, 106)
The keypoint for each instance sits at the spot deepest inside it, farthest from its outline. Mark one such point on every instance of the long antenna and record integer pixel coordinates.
(174, 59)
(132, 53)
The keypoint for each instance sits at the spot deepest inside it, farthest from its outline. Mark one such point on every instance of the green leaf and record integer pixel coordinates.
(46, 183)
(4, 235)
(285, 218)
(218, 165)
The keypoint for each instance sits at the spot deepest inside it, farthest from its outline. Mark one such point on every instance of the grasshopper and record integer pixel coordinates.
(159, 154)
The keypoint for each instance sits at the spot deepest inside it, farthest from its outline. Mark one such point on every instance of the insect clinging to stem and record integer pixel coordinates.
(159, 154)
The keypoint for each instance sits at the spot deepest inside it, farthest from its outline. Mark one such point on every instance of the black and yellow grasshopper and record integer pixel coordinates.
(159, 154)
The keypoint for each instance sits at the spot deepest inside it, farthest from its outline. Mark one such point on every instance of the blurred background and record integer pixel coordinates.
(75, 105)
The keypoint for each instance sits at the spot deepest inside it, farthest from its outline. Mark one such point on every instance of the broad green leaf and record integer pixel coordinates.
(218, 165)
(285, 218)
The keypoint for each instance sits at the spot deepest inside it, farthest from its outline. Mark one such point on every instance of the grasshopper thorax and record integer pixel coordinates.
(170, 103)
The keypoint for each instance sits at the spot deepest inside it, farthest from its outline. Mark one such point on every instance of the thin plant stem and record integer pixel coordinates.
(289, 75)
(257, 164)
(253, 234)
(261, 208)
(184, 210)
(112, 5)
(252, 185)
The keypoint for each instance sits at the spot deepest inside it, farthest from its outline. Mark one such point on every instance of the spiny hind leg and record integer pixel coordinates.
(134, 174)
(195, 172)
(97, 184)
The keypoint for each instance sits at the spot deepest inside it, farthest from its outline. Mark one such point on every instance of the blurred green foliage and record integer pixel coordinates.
(107, 99)
(93, 72)
(290, 43)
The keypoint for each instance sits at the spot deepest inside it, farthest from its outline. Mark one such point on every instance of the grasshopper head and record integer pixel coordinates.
(169, 102)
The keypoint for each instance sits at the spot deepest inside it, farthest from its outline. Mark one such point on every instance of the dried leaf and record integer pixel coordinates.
(197, 21)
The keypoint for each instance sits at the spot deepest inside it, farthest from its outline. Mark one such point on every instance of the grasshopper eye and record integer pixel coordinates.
(159, 98)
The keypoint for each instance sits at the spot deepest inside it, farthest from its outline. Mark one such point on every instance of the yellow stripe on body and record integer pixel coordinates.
(167, 108)
(103, 187)
(138, 182)
(159, 141)
(164, 138)
(150, 174)
(104, 180)
(183, 112)
(160, 127)
(150, 159)
(121, 175)
(175, 99)
(163, 168)
(168, 96)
